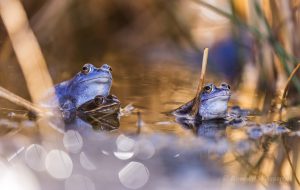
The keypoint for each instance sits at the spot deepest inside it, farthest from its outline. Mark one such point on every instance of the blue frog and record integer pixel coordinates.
(83, 87)
(213, 103)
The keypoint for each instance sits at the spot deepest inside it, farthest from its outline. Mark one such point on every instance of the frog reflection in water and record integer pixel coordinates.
(213, 103)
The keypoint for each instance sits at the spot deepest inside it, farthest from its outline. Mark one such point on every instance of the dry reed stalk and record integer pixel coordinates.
(22, 102)
(287, 85)
(26, 48)
(197, 103)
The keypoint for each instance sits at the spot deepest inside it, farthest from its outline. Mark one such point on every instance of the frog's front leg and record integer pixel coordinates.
(68, 111)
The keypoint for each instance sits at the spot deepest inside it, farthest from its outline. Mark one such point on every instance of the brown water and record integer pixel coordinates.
(162, 154)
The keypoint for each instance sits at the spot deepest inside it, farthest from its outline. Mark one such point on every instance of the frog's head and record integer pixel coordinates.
(214, 101)
(90, 82)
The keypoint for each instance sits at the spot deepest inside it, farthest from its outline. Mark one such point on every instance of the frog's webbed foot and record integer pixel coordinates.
(237, 117)
(127, 110)
(184, 110)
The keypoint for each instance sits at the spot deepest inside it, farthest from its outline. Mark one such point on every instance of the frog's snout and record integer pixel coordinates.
(106, 67)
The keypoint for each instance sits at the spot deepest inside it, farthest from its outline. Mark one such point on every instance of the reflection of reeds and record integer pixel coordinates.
(287, 151)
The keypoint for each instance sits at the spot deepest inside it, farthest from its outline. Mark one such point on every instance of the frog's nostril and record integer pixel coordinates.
(106, 67)
(226, 86)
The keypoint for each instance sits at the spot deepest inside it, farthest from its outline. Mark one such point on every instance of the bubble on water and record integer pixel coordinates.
(125, 143)
(134, 175)
(35, 157)
(59, 164)
(144, 149)
(124, 155)
(86, 162)
(79, 182)
(72, 141)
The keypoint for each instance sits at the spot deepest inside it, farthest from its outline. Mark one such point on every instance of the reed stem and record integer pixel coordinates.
(287, 85)
(197, 103)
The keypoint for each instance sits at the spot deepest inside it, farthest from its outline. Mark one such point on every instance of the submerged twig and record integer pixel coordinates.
(196, 103)
(287, 86)
(20, 101)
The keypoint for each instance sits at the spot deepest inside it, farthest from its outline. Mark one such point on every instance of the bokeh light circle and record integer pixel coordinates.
(59, 164)
(72, 141)
(35, 156)
(86, 163)
(79, 182)
(134, 175)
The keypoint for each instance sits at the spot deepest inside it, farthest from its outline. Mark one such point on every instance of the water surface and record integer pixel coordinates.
(152, 150)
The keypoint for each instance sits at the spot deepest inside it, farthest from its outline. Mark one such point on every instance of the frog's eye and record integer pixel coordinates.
(225, 86)
(86, 69)
(207, 88)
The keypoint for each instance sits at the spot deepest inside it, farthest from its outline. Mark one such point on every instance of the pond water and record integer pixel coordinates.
(150, 150)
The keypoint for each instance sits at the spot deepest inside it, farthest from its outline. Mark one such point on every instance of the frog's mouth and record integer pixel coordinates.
(218, 98)
(98, 80)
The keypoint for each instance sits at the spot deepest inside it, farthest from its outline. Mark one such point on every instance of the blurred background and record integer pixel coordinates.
(253, 44)
(155, 50)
